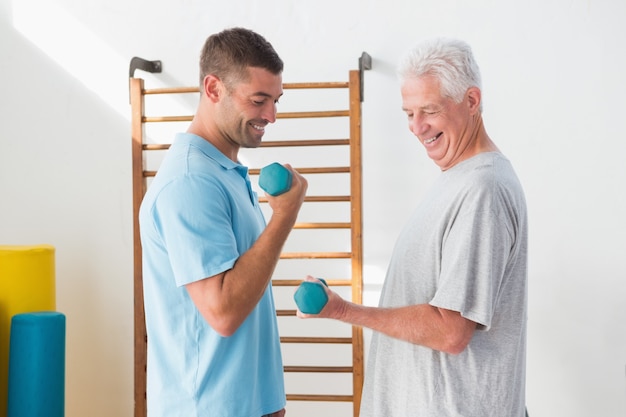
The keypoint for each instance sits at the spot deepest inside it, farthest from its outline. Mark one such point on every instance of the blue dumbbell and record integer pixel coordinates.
(275, 179)
(311, 297)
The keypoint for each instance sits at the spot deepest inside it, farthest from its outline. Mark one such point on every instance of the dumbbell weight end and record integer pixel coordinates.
(311, 297)
(275, 179)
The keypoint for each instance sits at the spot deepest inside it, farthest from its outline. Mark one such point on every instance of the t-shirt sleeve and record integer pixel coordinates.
(474, 256)
(193, 217)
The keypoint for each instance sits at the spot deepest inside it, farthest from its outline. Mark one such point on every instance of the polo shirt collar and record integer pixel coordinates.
(211, 151)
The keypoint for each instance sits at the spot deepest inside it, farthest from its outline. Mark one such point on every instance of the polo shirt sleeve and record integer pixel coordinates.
(192, 215)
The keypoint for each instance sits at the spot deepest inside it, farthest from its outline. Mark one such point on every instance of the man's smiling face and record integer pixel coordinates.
(443, 126)
(250, 106)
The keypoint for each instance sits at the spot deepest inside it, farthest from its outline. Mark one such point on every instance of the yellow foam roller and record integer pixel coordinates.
(27, 284)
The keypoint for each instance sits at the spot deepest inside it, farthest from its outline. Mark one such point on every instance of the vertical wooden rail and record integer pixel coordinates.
(139, 184)
(357, 226)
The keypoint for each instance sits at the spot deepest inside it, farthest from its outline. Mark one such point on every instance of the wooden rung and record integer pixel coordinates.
(317, 170)
(314, 198)
(319, 369)
(286, 115)
(308, 199)
(312, 114)
(312, 340)
(155, 146)
(304, 142)
(268, 144)
(285, 313)
(322, 226)
(159, 119)
(312, 397)
(286, 86)
(315, 255)
(175, 90)
(296, 282)
(322, 84)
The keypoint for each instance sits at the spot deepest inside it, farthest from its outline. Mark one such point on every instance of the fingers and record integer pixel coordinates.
(298, 187)
(312, 296)
(287, 205)
(298, 182)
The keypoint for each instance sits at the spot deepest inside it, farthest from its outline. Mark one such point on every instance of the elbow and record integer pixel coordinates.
(457, 334)
(455, 344)
(454, 348)
(224, 326)
(225, 331)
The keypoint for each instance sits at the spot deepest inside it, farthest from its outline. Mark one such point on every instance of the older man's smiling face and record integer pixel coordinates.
(444, 127)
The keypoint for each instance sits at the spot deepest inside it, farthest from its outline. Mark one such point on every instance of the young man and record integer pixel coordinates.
(450, 332)
(213, 345)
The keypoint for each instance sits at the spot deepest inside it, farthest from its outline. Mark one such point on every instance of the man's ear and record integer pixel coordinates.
(212, 87)
(474, 96)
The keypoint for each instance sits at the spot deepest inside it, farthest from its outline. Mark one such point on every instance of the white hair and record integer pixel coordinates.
(448, 60)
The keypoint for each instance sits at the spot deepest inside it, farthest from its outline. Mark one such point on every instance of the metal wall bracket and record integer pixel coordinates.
(144, 65)
(365, 63)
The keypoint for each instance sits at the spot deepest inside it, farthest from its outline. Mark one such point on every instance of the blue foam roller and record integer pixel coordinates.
(310, 297)
(37, 365)
(275, 179)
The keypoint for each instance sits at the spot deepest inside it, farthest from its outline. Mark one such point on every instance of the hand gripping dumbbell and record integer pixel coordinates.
(311, 296)
(275, 179)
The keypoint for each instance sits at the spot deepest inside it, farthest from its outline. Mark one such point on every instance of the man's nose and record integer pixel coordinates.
(269, 112)
(418, 126)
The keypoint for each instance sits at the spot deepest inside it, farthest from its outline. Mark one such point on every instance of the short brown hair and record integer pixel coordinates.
(228, 55)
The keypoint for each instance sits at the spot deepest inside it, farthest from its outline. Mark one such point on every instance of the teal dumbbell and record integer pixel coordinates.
(275, 179)
(311, 297)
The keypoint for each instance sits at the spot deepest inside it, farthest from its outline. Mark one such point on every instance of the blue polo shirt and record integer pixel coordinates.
(197, 218)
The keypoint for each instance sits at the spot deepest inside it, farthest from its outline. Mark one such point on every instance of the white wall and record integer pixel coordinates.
(554, 102)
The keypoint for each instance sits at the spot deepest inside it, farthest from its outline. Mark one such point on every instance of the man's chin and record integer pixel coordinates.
(253, 142)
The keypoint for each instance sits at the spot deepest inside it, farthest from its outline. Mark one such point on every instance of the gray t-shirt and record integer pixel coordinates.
(464, 249)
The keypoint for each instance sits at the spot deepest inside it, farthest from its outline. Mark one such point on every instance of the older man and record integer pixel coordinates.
(450, 332)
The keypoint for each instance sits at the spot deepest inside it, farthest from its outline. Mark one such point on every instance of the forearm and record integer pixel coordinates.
(244, 284)
(423, 324)
(225, 300)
